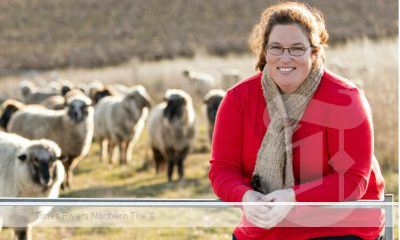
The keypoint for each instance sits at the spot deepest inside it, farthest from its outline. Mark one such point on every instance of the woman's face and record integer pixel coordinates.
(287, 71)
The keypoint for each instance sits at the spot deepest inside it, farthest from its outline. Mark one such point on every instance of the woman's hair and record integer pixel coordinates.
(308, 18)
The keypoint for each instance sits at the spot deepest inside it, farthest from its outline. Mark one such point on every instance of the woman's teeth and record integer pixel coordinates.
(286, 69)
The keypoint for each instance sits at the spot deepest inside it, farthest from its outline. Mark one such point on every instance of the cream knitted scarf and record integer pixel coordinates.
(274, 168)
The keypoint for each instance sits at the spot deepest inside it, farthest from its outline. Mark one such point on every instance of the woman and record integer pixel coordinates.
(295, 132)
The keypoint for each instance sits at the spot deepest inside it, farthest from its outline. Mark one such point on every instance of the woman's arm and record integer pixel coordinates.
(226, 170)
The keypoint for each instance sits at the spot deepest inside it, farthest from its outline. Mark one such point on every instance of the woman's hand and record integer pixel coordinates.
(255, 214)
(277, 213)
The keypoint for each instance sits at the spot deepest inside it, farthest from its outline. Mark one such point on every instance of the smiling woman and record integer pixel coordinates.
(289, 68)
(296, 132)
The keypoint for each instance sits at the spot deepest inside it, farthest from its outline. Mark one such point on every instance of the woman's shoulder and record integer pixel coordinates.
(334, 81)
(339, 91)
(247, 85)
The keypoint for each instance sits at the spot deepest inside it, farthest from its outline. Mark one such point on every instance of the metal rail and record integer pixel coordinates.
(387, 204)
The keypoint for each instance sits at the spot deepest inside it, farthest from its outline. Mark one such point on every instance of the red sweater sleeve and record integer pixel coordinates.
(226, 170)
(349, 137)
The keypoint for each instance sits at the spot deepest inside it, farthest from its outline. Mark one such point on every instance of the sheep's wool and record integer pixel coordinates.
(274, 169)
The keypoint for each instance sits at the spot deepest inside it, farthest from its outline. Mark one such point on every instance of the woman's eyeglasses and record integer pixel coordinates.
(293, 51)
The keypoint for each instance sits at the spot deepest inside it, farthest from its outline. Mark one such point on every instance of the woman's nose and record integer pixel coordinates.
(286, 53)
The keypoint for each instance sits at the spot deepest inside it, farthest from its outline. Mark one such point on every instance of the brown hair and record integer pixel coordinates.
(308, 18)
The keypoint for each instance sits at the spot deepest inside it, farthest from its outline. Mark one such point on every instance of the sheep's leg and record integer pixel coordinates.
(103, 150)
(24, 233)
(210, 132)
(170, 169)
(111, 148)
(67, 164)
(72, 165)
(129, 150)
(123, 146)
(158, 159)
(69, 178)
(180, 168)
(171, 163)
(181, 158)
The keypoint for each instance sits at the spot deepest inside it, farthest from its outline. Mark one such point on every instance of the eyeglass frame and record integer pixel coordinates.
(288, 49)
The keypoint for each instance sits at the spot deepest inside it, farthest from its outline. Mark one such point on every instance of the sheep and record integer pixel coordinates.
(71, 128)
(119, 120)
(200, 83)
(96, 94)
(58, 102)
(54, 102)
(92, 86)
(10, 106)
(172, 126)
(32, 95)
(230, 77)
(119, 88)
(27, 169)
(212, 101)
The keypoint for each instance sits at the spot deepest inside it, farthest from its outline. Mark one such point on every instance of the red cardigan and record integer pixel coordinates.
(332, 155)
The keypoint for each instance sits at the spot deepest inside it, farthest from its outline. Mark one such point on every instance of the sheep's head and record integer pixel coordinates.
(139, 96)
(98, 94)
(177, 100)
(27, 88)
(10, 106)
(78, 106)
(40, 158)
(186, 72)
(212, 100)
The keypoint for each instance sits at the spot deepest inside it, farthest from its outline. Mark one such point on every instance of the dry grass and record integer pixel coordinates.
(375, 63)
(43, 34)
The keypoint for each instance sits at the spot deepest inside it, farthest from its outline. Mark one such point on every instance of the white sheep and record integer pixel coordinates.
(58, 102)
(119, 120)
(71, 128)
(54, 102)
(32, 95)
(27, 169)
(172, 126)
(200, 83)
(212, 100)
(230, 77)
(119, 88)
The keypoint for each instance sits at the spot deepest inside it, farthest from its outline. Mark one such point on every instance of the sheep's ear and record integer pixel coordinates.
(64, 90)
(144, 101)
(22, 157)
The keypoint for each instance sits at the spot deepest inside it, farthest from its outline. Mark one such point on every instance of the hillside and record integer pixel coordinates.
(44, 34)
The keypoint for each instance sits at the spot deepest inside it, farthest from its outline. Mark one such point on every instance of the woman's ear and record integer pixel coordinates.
(315, 54)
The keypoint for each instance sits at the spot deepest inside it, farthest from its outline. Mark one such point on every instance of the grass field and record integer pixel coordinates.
(44, 34)
(370, 63)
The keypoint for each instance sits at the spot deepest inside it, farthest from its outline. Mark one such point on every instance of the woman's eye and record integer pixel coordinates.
(297, 49)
